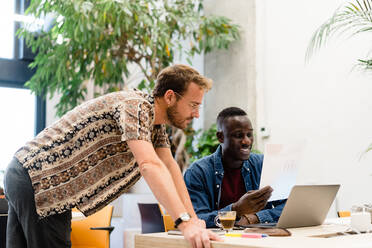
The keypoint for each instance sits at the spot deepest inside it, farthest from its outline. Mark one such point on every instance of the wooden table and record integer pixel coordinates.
(301, 237)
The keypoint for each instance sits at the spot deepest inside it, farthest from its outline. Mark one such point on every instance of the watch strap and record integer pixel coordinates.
(183, 217)
(177, 222)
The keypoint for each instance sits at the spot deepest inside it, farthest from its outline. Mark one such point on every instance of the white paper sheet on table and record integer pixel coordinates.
(280, 167)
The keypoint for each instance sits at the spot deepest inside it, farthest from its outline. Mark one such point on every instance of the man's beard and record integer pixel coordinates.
(173, 118)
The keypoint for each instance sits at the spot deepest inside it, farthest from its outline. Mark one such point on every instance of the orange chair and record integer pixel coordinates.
(343, 213)
(167, 219)
(93, 231)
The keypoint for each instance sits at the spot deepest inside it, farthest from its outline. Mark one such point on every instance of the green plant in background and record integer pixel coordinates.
(369, 148)
(100, 40)
(97, 40)
(206, 143)
(353, 18)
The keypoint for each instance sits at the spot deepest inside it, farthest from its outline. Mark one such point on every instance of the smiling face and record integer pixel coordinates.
(186, 107)
(236, 138)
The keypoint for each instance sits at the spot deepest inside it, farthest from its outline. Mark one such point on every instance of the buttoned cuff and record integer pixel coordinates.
(227, 208)
(264, 217)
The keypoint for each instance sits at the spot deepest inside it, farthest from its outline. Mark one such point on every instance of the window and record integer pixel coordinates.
(17, 125)
(22, 114)
(7, 10)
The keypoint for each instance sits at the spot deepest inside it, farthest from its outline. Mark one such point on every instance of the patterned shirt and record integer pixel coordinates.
(83, 159)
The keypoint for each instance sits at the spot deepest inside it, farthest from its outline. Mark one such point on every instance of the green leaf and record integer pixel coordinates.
(115, 34)
(368, 149)
(350, 18)
(142, 84)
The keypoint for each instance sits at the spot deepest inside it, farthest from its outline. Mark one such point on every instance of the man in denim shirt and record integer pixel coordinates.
(229, 178)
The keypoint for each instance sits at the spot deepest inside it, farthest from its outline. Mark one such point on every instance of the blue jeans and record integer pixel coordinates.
(25, 228)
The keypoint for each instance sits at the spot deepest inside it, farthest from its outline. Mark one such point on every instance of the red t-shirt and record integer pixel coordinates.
(232, 188)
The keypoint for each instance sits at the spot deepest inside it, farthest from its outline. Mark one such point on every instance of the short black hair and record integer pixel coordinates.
(228, 112)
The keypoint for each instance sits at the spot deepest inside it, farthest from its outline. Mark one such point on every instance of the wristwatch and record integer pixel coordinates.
(251, 219)
(184, 217)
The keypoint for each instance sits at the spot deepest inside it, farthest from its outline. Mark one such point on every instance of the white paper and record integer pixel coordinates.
(280, 167)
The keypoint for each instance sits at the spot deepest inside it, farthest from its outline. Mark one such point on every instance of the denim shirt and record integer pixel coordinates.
(204, 180)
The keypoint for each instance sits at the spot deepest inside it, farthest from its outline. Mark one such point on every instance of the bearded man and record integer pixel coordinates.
(96, 152)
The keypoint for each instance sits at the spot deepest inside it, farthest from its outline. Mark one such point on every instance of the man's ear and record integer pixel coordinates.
(168, 97)
(219, 135)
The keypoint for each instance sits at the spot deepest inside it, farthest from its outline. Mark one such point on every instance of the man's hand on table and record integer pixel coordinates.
(195, 232)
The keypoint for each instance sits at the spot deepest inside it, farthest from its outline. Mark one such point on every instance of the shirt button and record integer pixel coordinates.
(216, 172)
(218, 186)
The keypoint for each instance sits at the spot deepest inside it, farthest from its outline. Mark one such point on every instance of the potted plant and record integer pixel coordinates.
(98, 41)
(353, 18)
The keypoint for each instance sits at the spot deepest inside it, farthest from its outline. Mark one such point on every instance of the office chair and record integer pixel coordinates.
(151, 218)
(93, 231)
(167, 219)
(343, 213)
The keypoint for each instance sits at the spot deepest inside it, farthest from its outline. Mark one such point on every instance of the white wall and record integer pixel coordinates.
(234, 70)
(324, 101)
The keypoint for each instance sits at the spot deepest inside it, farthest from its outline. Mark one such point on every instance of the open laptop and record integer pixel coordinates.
(307, 205)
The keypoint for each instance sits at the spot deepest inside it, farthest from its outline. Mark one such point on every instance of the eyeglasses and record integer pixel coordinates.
(195, 107)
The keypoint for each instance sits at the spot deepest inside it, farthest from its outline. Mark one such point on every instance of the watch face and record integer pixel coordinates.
(185, 217)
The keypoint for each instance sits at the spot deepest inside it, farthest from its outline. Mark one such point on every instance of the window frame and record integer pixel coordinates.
(14, 73)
